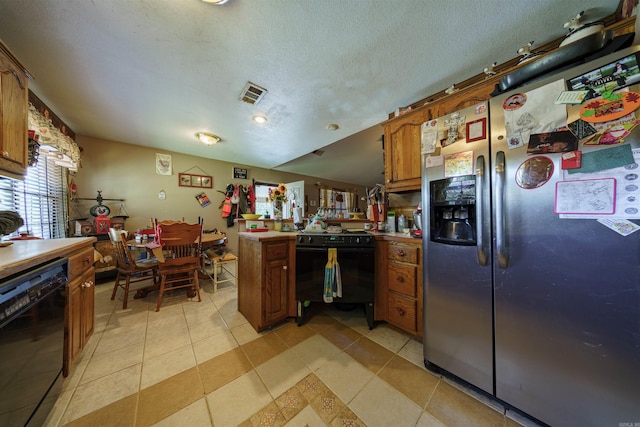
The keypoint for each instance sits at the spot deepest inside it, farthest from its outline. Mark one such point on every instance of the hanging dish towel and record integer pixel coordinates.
(332, 279)
(329, 276)
(337, 282)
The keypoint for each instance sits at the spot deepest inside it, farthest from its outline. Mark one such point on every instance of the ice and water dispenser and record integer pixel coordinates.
(452, 216)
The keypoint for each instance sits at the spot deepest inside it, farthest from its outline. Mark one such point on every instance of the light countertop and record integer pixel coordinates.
(24, 254)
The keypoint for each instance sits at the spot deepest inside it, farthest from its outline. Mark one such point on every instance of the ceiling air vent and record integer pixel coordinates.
(252, 93)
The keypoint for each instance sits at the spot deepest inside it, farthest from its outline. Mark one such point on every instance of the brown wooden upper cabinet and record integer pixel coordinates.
(402, 159)
(402, 151)
(14, 110)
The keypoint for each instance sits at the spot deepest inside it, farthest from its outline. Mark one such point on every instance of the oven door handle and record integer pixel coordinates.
(340, 249)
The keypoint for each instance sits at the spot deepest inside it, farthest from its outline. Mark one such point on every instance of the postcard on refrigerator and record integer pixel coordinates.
(458, 164)
(623, 227)
(428, 136)
(588, 196)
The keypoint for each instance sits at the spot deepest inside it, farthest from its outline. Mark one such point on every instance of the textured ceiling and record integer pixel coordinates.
(155, 72)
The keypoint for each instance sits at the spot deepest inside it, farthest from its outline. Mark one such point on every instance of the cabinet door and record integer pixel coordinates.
(79, 322)
(13, 117)
(73, 329)
(402, 152)
(87, 312)
(275, 292)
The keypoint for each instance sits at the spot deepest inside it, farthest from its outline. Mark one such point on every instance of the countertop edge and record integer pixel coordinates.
(270, 235)
(24, 254)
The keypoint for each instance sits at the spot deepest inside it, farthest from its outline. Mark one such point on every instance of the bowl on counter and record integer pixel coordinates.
(356, 215)
(251, 216)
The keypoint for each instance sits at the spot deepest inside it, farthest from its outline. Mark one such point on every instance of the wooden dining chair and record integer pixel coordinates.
(182, 251)
(129, 269)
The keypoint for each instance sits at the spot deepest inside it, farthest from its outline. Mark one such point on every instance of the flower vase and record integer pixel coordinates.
(277, 209)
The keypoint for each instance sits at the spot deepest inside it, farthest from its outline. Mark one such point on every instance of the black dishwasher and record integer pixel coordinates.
(32, 307)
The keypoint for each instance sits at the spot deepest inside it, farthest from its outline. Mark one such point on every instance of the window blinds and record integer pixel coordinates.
(40, 199)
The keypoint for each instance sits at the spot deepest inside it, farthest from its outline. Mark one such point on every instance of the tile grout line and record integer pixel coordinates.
(273, 399)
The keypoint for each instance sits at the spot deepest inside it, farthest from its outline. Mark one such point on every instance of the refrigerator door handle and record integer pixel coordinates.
(480, 177)
(503, 256)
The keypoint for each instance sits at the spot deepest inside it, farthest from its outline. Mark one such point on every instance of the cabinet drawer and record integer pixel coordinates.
(276, 251)
(79, 262)
(402, 278)
(402, 252)
(402, 312)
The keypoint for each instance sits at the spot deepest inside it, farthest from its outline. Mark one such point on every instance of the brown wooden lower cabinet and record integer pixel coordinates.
(399, 290)
(265, 281)
(80, 314)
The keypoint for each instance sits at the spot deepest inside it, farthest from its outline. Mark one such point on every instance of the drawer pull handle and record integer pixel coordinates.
(284, 267)
(400, 279)
(400, 311)
(401, 252)
(277, 252)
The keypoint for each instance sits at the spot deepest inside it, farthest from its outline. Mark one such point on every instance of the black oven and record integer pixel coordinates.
(356, 258)
(32, 307)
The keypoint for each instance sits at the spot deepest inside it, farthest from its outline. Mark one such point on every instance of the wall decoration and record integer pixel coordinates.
(163, 164)
(203, 199)
(191, 180)
(240, 173)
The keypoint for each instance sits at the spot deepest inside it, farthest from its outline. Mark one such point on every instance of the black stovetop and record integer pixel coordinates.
(344, 238)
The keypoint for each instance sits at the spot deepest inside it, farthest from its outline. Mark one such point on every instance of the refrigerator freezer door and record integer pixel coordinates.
(457, 286)
(567, 316)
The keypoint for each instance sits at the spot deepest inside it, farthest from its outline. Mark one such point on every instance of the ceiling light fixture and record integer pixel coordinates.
(333, 126)
(216, 2)
(208, 138)
(259, 118)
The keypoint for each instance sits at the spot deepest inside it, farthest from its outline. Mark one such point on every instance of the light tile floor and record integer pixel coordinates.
(202, 364)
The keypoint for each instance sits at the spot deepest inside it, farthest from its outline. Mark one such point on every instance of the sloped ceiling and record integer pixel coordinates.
(155, 72)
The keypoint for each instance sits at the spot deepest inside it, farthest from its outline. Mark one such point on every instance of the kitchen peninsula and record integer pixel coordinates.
(267, 277)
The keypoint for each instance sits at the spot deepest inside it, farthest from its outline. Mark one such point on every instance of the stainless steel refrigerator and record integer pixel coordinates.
(531, 263)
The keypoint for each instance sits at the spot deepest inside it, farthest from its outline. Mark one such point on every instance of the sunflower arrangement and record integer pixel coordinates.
(278, 194)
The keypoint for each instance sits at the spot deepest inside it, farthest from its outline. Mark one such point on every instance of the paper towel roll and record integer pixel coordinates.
(297, 215)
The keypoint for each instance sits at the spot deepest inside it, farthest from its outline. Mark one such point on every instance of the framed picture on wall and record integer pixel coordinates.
(206, 182)
(184, 180)
(191, 180)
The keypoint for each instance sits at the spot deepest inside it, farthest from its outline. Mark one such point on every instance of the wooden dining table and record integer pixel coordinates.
(208, 241)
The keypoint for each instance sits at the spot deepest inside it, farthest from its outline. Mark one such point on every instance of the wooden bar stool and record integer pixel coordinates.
(220, 263)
